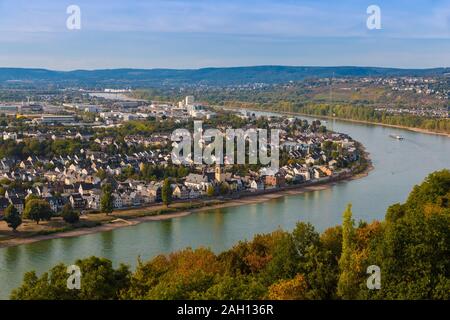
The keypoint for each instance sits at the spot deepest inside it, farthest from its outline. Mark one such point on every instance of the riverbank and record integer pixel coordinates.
(419, 130)
(127, 218)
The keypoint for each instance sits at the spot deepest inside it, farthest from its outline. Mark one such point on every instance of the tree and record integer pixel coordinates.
(348, 284)
(284, 259)
(31, 197)
(100, 281)
(12, 217)
(69, 215)
(179, 275)
(166, 192)
(234, 288)
(211, 191)
(413, 253)
(107, 199)
(101, 174)
(290, 289)
(37, 210)
(224, 188)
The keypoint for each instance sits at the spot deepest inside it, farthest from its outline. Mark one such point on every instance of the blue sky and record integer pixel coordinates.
(204, 33)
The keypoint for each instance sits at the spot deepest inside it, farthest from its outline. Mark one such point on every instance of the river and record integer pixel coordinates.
(399, 165)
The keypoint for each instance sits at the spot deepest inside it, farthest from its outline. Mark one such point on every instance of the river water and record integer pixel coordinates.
(399, 165)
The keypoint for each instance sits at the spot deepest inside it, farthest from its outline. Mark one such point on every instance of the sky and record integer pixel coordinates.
(222, 33)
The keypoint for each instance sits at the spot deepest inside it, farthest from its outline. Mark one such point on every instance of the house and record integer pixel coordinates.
(303, 172)
(18, 203)
(326, 171)
(317, 173)
(92, 200)
(77, 201)
(199, 182)
(85, 188)
(126, 200)
(136, 199)
(155, 191)
(15, 192)
(180, 192)
(310, 160)
(6, 164)
(274, 181)
(256, 185)
(117, 201)
(194, 194)
(56, 203)
(333, 164)
(69, 188)
(4, 203)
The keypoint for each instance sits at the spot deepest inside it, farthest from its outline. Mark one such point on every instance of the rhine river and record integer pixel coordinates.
(399, 165)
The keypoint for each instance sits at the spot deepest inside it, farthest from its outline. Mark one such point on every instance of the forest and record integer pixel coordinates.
(411, 247)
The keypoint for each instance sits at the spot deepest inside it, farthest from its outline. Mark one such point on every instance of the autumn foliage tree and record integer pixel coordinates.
(290, 289)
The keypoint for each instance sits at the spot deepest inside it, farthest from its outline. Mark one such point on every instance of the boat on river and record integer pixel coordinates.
(396, 136)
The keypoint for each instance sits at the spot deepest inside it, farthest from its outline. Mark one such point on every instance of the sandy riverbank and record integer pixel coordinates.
(245, 200)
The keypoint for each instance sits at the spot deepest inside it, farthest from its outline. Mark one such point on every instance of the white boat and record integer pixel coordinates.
(396, 136)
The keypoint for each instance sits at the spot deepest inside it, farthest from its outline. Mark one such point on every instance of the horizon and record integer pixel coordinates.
(227, 67)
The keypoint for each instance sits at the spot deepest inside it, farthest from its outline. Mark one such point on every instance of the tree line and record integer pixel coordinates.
(371, 115)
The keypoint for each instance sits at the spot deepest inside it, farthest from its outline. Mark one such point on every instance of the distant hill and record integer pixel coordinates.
(206, 76)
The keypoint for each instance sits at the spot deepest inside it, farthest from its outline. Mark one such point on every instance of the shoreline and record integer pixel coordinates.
(413, 129)
(419, 130)
(246, 199)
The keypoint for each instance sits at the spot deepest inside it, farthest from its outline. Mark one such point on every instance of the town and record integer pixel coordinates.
(127, 159)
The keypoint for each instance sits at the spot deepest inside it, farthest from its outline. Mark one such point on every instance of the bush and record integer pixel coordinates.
(69, 215)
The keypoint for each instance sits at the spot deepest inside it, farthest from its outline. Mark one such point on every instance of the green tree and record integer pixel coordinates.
(31, 197)
(12, 217)
(224, 188)
(99, 281)
(101, 174)
(348, 281)
(166, 192)
(414, 251)
(239, 287)
(69, 215)
(37, 210)
(107, 199)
